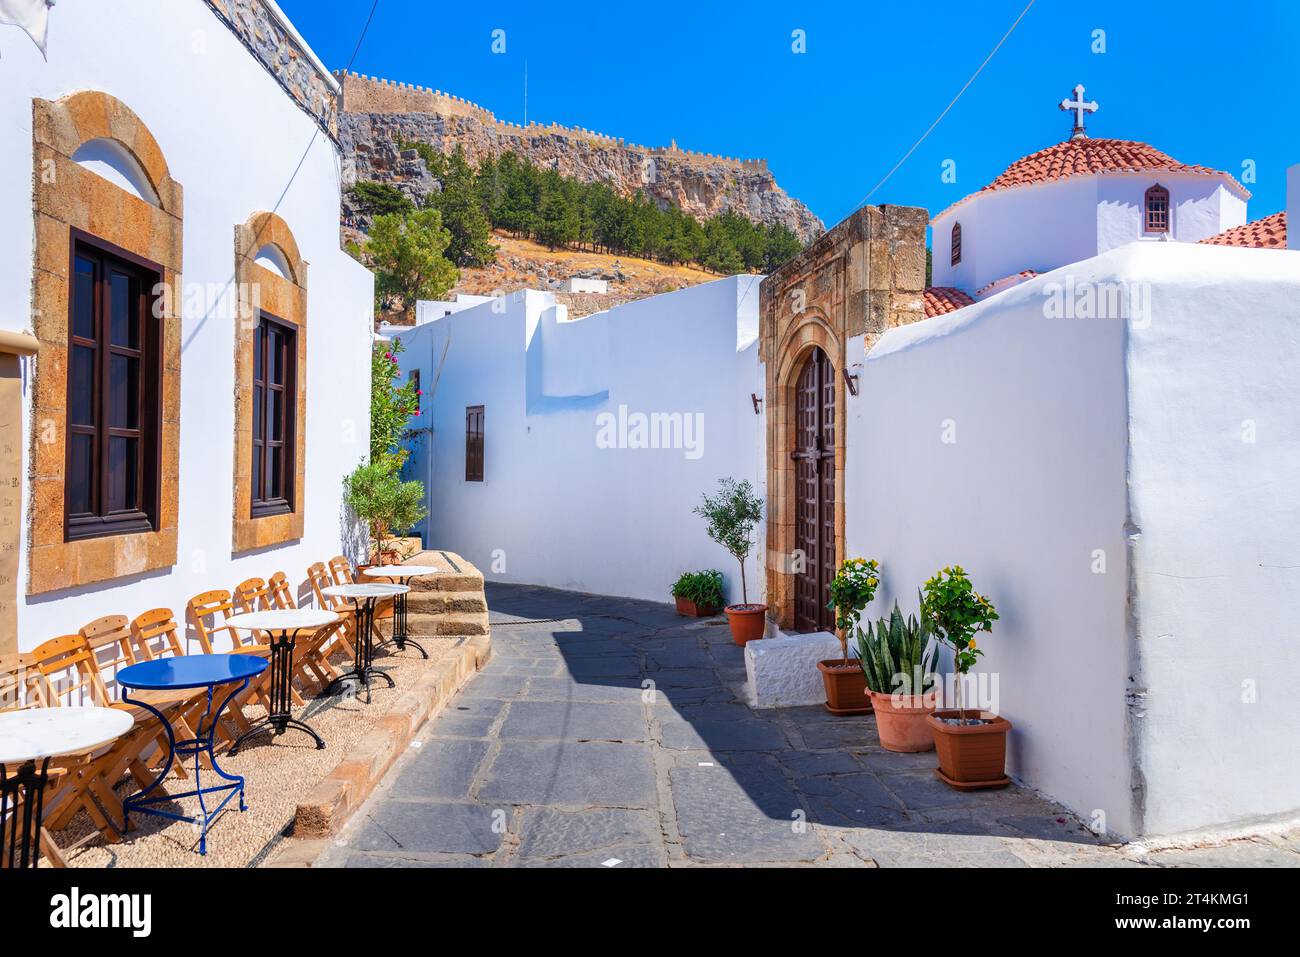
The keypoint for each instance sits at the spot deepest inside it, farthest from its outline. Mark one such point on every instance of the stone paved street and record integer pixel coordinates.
(607, 730)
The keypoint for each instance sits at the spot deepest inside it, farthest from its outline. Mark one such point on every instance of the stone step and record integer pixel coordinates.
(448, 581)
(444, 602)
(459, 623)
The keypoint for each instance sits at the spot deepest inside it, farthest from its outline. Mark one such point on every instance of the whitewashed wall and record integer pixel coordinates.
(1031, 486)
(555, 508)
(1079, 440)
(1047, 225)
(233, 139)
(1214, 430)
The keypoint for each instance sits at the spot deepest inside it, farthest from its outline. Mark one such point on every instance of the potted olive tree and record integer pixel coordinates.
(732, 514)
(972, 745)
(899, 660)
(852, 589)
(376, 493)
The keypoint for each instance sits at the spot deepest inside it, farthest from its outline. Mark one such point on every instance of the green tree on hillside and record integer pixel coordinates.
(406, 251)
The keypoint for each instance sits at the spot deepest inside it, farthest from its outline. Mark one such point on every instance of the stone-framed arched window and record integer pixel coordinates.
(270, 384)
(956, 243)
(106, 391)
(1156, 211)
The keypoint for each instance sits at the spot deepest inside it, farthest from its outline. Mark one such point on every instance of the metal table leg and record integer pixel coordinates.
(202, 743)
(20, 818)
(280, 716)
(401, 629)
(363, 668)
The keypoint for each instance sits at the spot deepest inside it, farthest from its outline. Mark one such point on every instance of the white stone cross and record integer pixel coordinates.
(1079, 106)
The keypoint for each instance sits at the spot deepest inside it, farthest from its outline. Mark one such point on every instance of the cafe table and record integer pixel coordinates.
(29, 738)
(402, 573)
(191, 672)
(364, 596)
(283, 625)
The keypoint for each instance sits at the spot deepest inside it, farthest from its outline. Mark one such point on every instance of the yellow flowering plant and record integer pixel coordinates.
(852, 589)
(956, 612)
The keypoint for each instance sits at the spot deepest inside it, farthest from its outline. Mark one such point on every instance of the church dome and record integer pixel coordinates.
(1089, 157)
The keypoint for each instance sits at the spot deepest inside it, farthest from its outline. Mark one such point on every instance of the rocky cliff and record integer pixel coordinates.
(377, 115)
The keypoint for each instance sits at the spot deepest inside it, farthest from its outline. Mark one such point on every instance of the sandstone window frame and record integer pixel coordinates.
(68, 197)
(261, 291)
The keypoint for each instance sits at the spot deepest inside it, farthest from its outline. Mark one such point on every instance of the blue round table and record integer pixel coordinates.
(177, 674)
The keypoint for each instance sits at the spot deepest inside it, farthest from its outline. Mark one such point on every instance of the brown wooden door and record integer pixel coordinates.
(814, 489)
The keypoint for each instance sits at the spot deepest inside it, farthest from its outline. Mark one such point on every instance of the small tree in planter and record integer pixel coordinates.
(385, 503)
(972, 754)
(852, 589)
(732, 514)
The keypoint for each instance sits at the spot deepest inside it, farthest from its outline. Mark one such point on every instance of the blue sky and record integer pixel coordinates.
(1208, 83)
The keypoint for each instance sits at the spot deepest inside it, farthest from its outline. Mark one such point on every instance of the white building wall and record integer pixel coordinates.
(1214, 419)
(1293, 206)
(1044, 226)
(1153, 688)
(1032, 485)
(555, 509)
(233, 139)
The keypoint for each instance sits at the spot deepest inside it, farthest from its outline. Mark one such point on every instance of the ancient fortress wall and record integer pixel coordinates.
(367, 94)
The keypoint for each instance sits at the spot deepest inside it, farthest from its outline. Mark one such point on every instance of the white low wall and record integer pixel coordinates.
(1091, 476)
(556, 508)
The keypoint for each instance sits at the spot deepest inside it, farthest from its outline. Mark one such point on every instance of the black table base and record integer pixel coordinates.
(364, 668)
(280, 716)
(401, 630)
(20, 817)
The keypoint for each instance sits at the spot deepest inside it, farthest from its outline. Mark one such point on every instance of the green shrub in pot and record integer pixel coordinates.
(704, 589)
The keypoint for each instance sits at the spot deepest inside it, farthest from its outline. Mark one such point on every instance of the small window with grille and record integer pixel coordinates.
(956, 243)
(1157, 209)
(474, 443)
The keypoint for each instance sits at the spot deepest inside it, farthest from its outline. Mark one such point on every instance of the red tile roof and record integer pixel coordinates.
(1023, 275)
(940, 300)
(1266, 233)
(1088, 157)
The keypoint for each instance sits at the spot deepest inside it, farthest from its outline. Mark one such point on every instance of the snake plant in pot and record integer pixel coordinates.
(972, 744)
(899, 659)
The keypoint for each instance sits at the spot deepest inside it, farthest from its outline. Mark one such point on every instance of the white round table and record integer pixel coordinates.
(29, 738)
(283, 625)
(364, 596)
(401, 630)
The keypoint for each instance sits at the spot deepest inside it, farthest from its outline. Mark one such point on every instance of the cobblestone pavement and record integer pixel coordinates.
(613, 732)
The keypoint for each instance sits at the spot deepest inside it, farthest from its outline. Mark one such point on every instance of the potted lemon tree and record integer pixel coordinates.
(732, 514)
(852, 589)
(972, 744)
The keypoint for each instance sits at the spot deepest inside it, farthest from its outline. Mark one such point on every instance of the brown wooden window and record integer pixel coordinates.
(956, 243)
(1156, 205)
(114, 401)
(275, 403)
(474, 443)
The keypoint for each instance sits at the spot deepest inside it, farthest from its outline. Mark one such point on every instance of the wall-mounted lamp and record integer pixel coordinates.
(851, 381)
(753, 397)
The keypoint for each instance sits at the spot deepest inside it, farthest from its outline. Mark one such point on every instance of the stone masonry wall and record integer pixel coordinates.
(272, 41)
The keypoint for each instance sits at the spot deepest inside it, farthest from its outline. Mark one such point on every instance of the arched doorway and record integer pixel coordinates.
(814, 492)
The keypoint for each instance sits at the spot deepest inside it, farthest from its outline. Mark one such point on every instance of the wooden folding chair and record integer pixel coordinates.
(155, 635)
(311, 658)
(341, 572)
(208, 613)
(68, 668)
(319, 577)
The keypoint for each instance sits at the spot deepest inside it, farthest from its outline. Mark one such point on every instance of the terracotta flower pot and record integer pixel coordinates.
(747, 622)
(900, 719)
(846, 686)
(687, 607)
(972, 756)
